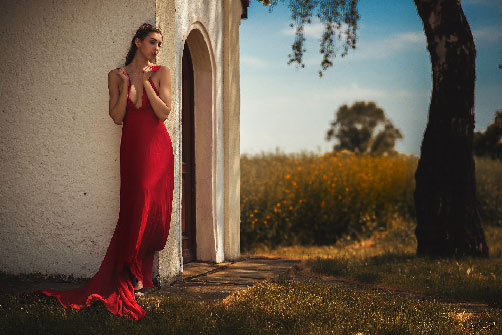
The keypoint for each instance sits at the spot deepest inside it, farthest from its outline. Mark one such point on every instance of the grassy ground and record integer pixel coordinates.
(270, 307)
(292, 306)
(388, 258)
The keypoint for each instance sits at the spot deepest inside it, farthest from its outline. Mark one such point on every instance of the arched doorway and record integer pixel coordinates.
(200, 145)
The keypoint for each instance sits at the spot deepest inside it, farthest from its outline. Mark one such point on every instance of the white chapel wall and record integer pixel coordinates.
(60, 177)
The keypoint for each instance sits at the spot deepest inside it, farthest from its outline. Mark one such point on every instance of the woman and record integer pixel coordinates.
(140, 100)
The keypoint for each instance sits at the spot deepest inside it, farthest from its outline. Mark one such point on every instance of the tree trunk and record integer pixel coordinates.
(448, 220)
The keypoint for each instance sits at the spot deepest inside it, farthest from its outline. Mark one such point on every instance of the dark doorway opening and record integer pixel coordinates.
(188, 160)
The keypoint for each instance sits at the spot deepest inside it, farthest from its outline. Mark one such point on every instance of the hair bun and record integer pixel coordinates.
(146, 26)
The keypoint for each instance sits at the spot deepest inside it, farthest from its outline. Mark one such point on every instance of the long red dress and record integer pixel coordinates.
(146, 193)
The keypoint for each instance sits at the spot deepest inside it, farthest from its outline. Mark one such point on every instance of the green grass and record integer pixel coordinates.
(388, 258)
(282, 306)
(285, 306)
(269, 307)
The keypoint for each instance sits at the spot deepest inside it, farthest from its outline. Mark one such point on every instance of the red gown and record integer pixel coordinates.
(146, 193)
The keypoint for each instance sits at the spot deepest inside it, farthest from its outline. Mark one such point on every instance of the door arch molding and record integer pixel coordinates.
(205, 136)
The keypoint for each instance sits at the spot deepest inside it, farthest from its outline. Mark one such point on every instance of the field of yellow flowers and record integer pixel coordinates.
(314, 199)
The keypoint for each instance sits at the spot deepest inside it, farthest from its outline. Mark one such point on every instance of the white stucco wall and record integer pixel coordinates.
(60, 177)
(170, 258)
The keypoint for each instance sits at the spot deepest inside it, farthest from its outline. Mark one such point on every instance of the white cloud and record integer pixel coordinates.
(404, 39)
(317, 98)
(384, 48)
(488, 34)
(355, 92)
(349, 93)
(313, 30)
(254, 62)
(309, 30)
(380, 49)
(398, 42)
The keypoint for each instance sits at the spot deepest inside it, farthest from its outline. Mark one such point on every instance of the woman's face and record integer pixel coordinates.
(150, 46)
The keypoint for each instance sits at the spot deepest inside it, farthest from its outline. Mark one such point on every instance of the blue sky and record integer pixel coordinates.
(290, 108)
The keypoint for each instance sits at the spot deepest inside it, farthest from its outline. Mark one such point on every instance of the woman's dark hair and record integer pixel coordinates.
(141, 33)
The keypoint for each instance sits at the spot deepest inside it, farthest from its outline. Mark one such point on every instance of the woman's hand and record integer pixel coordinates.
(123, 76)
(147, 73)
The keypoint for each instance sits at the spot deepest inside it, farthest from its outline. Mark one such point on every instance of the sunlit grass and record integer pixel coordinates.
(388, 258)
(289, 307)
(283, 306)
(270, 307)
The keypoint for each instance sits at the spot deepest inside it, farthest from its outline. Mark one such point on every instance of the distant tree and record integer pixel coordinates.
(489, 142)
(356, 127)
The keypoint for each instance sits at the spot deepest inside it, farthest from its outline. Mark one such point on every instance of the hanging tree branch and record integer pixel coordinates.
(333, 14)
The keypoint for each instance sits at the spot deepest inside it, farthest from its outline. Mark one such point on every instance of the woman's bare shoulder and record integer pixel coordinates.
(113, 71)
(163, 68)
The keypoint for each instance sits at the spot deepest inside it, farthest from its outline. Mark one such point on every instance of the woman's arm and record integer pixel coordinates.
(161, 104)
(117, 88)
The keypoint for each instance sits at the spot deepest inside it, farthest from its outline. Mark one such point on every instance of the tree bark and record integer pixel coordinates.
(448, 220)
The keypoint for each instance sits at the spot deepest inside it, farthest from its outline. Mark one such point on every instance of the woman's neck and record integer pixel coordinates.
(137, 65)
